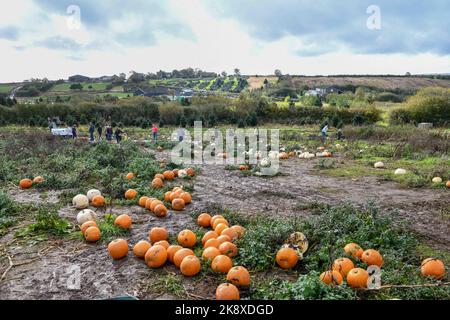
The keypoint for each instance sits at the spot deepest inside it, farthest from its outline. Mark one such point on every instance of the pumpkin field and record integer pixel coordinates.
(99, 221)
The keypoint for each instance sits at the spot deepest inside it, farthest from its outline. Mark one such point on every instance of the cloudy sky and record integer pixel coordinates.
(45, 38)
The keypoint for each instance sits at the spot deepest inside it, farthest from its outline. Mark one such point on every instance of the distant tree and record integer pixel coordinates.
(76, 86)
(224, 74)
(278, 73)
(237, 72)
(408, 74)
(136, 77)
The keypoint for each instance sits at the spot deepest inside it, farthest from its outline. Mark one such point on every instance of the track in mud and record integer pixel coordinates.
(43, 270)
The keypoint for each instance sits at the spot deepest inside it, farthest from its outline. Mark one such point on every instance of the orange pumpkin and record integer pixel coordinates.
(38, 179)
(222, 264)
(243, 167)
(142, 201)
(92, 234)
(218, 221)
(168, 175)
(210, 253)
(25, 183)
(186, 196)
(372, 257)
(331, 277)
(204, 220)
(187, 238)
(287, 258)
(227, 291)
(141, 248)
(343, 266)
(157, 234)
(167, 196)
(229, 249)
(223, 238)
(230, 233)
(156, 256)
(129, 176)
(98, 201)
(239, 230)
(209, 235)
(239, 276)
(157, 183)
(175, 172)
(190, 266)
(213, 242)
(171, 250)
(130, 194)
(148, 203)
(220, 227)
(354, 250)
(190, 172)
(118, 249)
(178, 204)
(123, 221)
(163, 243)
(433, 267)
(447, 184)
(160, 210)
(213, 218)
(159, 176)
(180, 255)
(357, 278)
(86, 225)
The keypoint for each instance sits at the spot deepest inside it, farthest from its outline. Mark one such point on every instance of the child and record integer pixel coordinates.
(155, 132)
(118, 134)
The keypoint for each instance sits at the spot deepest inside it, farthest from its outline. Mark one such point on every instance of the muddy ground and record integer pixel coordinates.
(46, 269)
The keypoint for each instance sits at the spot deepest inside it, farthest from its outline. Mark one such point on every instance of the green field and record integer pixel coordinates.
(6, 88)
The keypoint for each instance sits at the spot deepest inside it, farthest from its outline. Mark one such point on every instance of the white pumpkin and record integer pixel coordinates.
(379, 165)
(182, 173)
(80, 201)
(92, 193)
(265, 162)
(437, 180)
(400, 171)
(86, 215)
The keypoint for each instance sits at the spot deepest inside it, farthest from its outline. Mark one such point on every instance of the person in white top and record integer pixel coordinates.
(324, 132)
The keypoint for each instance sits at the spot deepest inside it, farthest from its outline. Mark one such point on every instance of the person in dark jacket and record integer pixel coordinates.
(99, 131)
(118, 134)
(109, 133)
(91, 132)
(74, 131)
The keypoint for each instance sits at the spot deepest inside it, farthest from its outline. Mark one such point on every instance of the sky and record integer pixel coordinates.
(59, 38)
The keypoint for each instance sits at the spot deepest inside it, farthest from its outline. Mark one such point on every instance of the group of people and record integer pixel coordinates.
(324, 131)
(110, 132)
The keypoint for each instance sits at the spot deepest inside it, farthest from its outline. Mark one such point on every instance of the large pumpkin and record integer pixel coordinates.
(80, 201)
(209, 235)
(357, 278)
(331, 277)
(123, 221)
(227, 291)
(433, 267)
(187, 238)
(157, 183)
(168, 175)
(26, 184)
(171, 250)
(204, 220)
(86, 225)
(287, 258)
(372, 257)
(229, 249)
(343, 266)
(141, 248)
(160, 210)
(86, 215)
(239, 276)
(118, 248)
(222, 264)
(190, 266)
(157, 234)
(210, 253)
(156, 256)
(180, 255)
(92, 234)
(178, 204)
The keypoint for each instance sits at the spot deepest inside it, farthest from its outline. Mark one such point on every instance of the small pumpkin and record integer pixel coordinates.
(92, 193)
(80, 201)
(118, 249)
(167, 196)
(372, 257)
(357, 278)
(286, 258)
(160, 210)
(86, 215)
(123, 221)
(331, 277)
(171, 250)
(447, 184)
(229, 249)
(142, 201)
(157, 183)
(343, 266)
(130, 175)
(243, 167)
(209, 235)
(156, 256)
(187, 238)
(141, 248)
(178, 204)
(92, 234)
(190, 266)
(204, 220)
(227, 291)
(98, 201)
(210, 253)
(186, 196)
(239, 276)
(86, 225)
(168, 175)
(354, 250)
(180, 255)
(38, 179)
(190, 172)
(130, 194)
(222, 264)
(26, 184)
(432, 267)
(157, 234)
